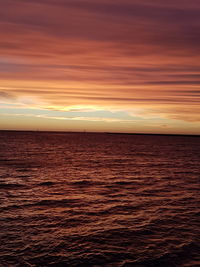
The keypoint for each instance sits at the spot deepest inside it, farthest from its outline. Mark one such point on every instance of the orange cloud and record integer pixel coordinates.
(138, 56)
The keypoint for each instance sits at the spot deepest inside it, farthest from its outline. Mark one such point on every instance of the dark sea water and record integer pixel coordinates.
(72, 199)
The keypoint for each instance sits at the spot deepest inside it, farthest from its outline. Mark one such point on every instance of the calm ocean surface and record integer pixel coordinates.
(72, 199)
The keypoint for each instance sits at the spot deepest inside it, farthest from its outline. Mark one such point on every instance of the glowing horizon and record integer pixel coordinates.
(116, 66)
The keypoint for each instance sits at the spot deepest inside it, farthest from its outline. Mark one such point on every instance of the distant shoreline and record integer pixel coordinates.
(108, 133)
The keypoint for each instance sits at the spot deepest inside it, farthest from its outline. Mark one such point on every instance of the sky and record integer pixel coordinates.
(100, 65)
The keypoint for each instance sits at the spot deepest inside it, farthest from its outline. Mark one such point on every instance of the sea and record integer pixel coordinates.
(99, 199)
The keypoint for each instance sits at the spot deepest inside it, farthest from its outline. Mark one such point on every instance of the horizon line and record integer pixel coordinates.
(94, 132)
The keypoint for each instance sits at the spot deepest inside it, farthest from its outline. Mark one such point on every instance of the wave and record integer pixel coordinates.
(99, 200)
(11, 186)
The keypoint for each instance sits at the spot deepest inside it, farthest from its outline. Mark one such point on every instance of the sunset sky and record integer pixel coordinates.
(100, 65)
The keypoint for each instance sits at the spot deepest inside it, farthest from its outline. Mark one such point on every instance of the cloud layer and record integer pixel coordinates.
(139, 56)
